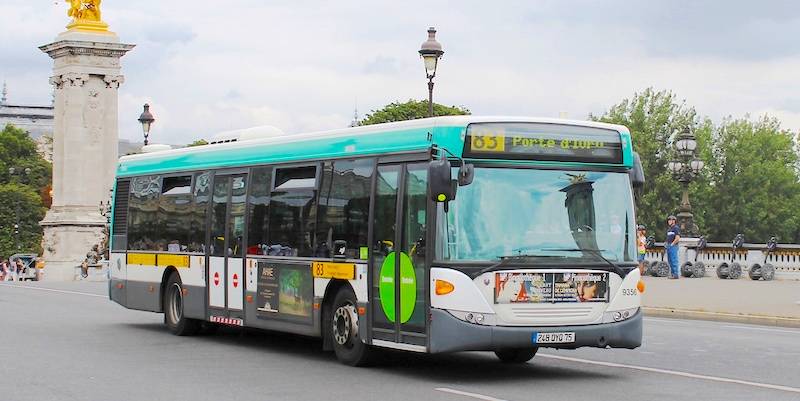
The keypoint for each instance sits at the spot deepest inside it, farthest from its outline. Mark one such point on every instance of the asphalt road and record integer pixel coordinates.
(69, 342)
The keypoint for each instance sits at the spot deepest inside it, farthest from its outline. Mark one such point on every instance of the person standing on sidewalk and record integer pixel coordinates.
(671, 246)
(641, 244)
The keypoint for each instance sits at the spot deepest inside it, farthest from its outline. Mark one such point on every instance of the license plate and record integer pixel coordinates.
(553, 338)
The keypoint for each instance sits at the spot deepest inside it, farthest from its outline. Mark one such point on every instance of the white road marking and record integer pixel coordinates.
(763, 329)
(54, 290)
(675, 373)
(468, 394)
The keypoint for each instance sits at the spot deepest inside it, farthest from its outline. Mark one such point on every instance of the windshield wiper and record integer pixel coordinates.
(595, 252)
(505, 259)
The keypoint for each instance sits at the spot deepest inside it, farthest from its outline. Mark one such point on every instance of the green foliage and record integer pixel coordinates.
(410, 110)
(16, 198)
(755, 189)
(653, 118)
(18, 151)
(199, 142)
(750, 183)
(20, 191)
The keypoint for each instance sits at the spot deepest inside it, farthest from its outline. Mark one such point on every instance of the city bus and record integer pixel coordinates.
(444, 234)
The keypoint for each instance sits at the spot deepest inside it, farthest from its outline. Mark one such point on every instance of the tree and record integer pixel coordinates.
(653, 118)
(410, 110)
(19, 204)
(20, 199)
(18, 151)
(754, 188)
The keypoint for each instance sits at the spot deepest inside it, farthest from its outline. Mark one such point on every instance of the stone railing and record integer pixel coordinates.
(786, 257)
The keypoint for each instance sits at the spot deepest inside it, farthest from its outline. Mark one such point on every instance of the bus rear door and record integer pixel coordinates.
(225, 272)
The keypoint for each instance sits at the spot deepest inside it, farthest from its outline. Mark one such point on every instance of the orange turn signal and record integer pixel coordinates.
(444, 287)
(640, 286)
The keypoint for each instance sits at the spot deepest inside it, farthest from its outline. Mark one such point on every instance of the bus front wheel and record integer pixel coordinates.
(516, 355)
(174, 318)
(343, 324)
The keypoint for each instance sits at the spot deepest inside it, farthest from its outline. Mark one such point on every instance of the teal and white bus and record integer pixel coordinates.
(444, 234)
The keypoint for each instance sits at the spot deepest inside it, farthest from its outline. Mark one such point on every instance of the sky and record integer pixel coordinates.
(299, 65)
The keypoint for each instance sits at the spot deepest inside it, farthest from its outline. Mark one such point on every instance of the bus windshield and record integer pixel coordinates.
(560, 215)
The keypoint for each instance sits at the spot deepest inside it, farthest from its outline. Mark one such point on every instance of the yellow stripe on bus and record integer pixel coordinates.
(173, 260)
(145, 259)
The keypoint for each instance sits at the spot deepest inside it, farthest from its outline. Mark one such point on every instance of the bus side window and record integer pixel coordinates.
(344, 207)
(258, 198)
(292, 211)
(143, 213)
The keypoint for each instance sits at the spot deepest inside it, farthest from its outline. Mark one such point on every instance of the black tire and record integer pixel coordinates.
(177, 323)
(722, 270)
(755, 272)
(662, 270)
(768, 272)
(736, 271)
(652, 269)
(343, 325)
(686, 269)
(699, 270)
(515, 355)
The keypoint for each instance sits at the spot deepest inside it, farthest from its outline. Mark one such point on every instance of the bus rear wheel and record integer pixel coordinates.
(343, 324)
(174, 318)
(516, 355)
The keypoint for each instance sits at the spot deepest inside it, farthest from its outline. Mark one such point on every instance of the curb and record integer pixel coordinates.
(721, 317)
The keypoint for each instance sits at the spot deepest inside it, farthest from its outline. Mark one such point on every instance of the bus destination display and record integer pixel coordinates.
(547, 142)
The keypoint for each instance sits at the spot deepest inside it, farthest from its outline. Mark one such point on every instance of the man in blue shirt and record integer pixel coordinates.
(671, 245)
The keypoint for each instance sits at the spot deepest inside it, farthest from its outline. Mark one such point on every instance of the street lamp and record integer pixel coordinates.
(431, 52)
(147, 120)
(20, 172)
(685, 169)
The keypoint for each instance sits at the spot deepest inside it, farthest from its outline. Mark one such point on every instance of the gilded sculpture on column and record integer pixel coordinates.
(86, 16)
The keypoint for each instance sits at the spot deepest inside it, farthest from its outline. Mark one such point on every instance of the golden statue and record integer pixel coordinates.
(86, 16)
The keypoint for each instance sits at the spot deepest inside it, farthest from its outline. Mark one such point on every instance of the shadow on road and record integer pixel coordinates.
(472, 367)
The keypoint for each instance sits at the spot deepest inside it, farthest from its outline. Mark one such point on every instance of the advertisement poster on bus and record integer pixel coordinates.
(550, 287)
(284, 289)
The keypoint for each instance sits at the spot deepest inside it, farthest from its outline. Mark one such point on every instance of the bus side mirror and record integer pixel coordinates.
(441, 181)
(466, 173)
(637, 172)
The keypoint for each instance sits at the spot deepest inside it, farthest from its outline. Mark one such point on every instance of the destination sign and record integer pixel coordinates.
(547, 142)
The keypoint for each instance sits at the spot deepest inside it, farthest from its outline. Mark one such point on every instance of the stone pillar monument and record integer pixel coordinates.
(86, 77)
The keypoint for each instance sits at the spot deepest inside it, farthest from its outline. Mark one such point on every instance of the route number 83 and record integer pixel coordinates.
(488, 143)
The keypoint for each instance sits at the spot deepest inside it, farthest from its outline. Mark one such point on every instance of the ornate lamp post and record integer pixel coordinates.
(22, 173)
(685, 169)
(147, 120)
(431, 52)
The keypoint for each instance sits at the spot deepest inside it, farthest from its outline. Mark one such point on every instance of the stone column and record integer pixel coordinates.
(86, 77)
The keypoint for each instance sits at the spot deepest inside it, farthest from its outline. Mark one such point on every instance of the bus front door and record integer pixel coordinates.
(225, 274)
(398, 267)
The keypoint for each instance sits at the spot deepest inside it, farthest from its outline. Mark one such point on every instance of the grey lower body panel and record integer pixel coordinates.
(449, 334)
(146, 296)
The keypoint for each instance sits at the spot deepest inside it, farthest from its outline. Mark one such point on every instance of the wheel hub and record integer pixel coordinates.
(345, 324)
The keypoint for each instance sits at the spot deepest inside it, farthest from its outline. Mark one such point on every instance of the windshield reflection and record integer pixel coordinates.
(561, 215)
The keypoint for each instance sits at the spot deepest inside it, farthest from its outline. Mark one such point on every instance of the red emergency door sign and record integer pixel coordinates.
(235, 280)
(216, 278)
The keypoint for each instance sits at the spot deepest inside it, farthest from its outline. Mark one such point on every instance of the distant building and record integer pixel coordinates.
(37, 120)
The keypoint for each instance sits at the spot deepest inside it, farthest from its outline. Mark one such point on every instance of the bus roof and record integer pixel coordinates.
(405, 136)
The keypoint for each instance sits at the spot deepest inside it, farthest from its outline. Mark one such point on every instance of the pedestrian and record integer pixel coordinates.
(641, 241)
(20, 270)
(4, 271)
(671, 246)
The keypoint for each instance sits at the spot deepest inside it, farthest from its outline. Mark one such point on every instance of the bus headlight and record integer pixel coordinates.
(620, 315)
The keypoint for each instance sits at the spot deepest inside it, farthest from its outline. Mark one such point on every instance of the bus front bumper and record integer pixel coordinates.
(449, 334)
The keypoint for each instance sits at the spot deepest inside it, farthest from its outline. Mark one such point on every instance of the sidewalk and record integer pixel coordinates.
(774, 303)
